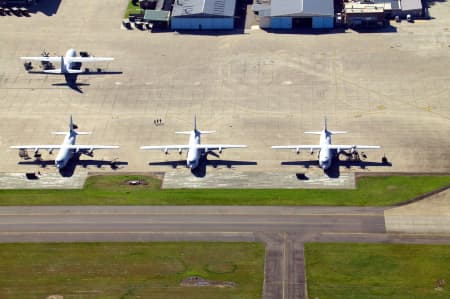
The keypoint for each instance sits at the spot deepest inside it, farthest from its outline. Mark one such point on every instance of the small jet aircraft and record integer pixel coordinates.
(68, 148)
(325, 147)
(195, 150)
(67, 62)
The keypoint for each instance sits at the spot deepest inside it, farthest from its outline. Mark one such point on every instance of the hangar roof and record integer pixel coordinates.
(302, 8)
(222, 8)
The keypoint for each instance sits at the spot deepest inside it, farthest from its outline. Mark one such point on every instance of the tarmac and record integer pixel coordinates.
(257, 180)
(258, 88)
(284, 230)
(42, 181)
(387, 88)
(430, 216)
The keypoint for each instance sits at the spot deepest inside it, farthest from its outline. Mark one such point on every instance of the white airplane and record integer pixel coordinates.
(195, 150)
(68, 148)
(67, 62)
(325, 147)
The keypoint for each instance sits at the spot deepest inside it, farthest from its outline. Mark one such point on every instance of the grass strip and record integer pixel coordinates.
(406, 271)
(129, 270)
(132, 9)
(114, 190)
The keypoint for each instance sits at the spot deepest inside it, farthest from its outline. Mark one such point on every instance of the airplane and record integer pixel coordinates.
(195, 150)
(67, 62)
(68, 148)
(325, 147)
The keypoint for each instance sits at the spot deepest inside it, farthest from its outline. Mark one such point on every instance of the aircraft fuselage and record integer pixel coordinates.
(194, 153)
(67, 65)
(325, 155)
(65, 153)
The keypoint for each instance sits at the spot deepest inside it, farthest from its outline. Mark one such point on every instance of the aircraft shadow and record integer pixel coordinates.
(71, 79)
(69, 170)
(47, 7)
(200, 170)
(334, 170)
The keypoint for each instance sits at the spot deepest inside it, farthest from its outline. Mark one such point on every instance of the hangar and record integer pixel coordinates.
(288, 14)
(203, 14)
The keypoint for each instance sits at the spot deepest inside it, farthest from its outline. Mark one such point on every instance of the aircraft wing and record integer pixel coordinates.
(91, 147)
(38, 146)
(166, 147)
(88, 59)
(219, 147)
(297, 147)
(43, 58)
(354, 147)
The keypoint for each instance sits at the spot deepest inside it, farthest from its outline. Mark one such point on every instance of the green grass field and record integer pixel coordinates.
(132, 9)
(129, 270)
(365, 271)
(113, 190)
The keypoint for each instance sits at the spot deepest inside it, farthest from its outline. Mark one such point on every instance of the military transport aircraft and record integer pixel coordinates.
(68, 148)
(327, 151)
(195, 150)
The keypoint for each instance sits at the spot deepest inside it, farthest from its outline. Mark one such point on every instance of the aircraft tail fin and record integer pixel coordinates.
(71, 126)
(195, 122)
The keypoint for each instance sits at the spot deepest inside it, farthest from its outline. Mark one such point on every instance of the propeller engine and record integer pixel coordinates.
(180, 151)
(166, 151)
(297, 151)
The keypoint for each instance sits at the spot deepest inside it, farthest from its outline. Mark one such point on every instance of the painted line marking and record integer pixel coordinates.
(189, 214)
(126, 232)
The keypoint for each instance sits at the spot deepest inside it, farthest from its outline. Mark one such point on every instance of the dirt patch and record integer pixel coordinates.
(391, 187)
(440, 283)
(197, 281)
(55, 297)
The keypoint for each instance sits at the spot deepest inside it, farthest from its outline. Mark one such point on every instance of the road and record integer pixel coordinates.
(283, 229)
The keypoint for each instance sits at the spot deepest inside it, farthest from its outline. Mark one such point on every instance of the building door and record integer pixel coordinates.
(301, 23)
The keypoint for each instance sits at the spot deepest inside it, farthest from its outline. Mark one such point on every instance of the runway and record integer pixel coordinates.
(282, 229)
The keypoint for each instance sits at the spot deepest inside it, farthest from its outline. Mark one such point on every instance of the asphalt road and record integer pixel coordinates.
(283, 229)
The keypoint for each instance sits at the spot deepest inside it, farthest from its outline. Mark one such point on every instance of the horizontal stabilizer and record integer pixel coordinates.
(313, 132)
(60, 133)
(70, 71)
(207, 132)
(338, 132)
(184, 132)
(55, 71)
